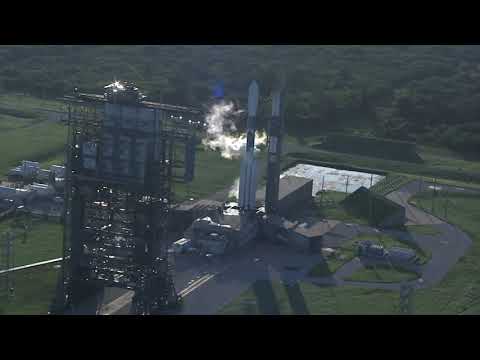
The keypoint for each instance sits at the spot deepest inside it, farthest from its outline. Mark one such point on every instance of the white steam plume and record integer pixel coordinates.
(220, 129)
(233, 193)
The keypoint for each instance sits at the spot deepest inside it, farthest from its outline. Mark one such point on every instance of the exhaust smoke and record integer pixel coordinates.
(221, 130)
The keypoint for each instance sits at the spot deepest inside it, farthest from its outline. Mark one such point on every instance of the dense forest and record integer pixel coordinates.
(429, 94)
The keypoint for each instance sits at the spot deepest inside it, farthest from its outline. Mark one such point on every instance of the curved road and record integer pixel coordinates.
(446, 248)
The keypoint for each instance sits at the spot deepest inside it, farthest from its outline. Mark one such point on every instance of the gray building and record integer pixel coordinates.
(294, 193)
(379, 210)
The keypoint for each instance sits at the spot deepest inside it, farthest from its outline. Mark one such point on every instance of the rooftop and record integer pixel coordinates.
(287, 185)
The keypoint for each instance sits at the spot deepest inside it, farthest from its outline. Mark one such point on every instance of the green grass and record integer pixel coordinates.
(328, 267)
(271, 298)
(43, 242)
(423, 230)
(447, 159)
(368, 146)
(26, 134)
(349, 251)
(459, 291)
(9, 122)
(212, 173)
(34, 291)
(27, 103)
(383, 274)
(383, 239)
(40, 142)
(388, 241)
(328, 206)
(439, 163)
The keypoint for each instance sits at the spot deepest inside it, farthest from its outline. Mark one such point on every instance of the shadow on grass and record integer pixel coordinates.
(321, 270)
(296, 298)
(266, 300)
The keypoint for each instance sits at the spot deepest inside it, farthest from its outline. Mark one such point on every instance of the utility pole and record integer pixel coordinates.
(7, 247)
(434, 194)
(446, 202)
(370, 209)
(321, 192)
(406, 296)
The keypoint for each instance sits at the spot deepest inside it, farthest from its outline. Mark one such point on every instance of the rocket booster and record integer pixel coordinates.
(248, 171)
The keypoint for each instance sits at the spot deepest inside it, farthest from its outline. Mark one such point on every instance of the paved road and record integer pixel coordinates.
(446, 248)
(415, 216)
(207, 287)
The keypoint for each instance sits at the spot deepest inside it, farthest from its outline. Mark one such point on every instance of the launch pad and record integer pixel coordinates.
(121, 166)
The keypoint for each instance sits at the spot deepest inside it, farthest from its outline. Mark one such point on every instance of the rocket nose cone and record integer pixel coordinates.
(252, 98)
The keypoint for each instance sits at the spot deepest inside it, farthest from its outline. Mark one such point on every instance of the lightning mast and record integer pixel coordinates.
(274, 144)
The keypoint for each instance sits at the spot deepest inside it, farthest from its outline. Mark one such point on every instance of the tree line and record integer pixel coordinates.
(427, 94)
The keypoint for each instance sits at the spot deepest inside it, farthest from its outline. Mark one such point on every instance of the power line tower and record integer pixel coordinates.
(121, 156)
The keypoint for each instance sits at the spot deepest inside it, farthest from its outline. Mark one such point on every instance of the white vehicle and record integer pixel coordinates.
(181, 246)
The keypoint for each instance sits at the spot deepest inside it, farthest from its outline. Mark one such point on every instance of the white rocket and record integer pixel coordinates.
(248, 170)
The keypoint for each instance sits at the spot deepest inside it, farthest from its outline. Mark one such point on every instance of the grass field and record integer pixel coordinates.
(328, 206)
(384, 274)
(34, 291)
(388, 241)
(348, 251)
(43, 242)
(212, 173)
(447, 159)
(423, 230)
(333, 209)
(328, 267)
(27, 134)
(272, 298)
(459, 292)
(40, 142)
(444, 165)
(368, 146)
(27, 103)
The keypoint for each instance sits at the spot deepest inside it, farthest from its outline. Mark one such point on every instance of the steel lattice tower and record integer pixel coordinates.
(120, 166)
